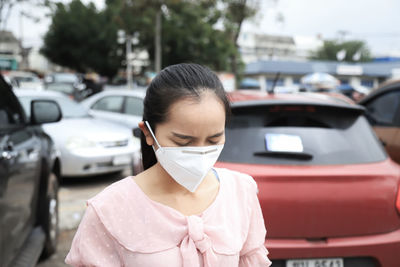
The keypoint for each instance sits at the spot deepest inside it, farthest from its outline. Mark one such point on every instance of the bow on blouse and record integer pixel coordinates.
(195, 241)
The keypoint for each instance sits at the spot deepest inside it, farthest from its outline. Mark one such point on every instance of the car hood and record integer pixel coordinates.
(93, 129)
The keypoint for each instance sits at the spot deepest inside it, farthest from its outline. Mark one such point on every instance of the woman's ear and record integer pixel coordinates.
(146, 132)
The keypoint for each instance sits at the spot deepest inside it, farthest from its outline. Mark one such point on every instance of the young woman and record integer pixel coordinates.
(180, 211)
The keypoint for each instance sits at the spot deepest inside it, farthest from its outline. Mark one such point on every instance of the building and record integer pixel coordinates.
(10, 51)
(369, 74)
(255, 47)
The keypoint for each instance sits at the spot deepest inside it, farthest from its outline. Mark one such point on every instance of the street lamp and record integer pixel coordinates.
(129, 40)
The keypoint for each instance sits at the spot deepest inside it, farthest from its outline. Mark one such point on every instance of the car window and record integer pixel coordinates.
(382, 109)
(109, 103)
(65, 78)
(10, 113)
(300, 135)
(134, 106)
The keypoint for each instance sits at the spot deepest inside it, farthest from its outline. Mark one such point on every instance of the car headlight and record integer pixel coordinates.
(76, 142)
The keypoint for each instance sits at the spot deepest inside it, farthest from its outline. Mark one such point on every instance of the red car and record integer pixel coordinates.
(328, 191)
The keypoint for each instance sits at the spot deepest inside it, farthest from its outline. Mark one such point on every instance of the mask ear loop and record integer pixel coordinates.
(151, 132)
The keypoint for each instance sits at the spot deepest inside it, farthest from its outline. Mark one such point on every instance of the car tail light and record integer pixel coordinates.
(398, 200)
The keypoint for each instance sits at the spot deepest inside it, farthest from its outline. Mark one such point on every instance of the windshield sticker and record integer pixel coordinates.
(283, 143)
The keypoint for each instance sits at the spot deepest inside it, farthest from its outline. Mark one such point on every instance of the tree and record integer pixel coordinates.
(82, 38)
(188, 30)
(353, 51)
(235, 12)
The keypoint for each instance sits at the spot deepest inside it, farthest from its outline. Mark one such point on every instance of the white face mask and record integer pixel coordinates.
(187, 165)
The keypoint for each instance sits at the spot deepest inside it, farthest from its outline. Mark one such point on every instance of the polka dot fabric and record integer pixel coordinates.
(124, 227)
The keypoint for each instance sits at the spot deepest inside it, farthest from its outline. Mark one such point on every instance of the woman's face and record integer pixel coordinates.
(193, 122)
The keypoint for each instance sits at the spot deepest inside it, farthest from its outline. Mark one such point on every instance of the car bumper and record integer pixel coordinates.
(382, 249)
(98, 161)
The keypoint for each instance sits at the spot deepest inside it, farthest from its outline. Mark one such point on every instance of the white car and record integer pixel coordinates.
(88, 145)
(118, 105)
(24, 80)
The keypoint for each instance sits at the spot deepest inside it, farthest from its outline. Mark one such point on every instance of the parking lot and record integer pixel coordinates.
(72, 196)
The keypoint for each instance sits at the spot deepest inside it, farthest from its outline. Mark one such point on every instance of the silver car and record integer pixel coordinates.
(119, 105)
(88, 145)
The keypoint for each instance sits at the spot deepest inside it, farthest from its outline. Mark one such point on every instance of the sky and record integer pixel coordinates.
(374, 21)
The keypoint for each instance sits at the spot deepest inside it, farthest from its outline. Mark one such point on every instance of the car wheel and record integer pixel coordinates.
(49, 218)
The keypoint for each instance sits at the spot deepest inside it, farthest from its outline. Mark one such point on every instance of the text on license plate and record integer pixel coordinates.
(332, 262)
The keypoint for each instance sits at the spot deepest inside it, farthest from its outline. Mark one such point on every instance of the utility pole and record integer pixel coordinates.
(128, 61)
(158, 42)
(127, 38)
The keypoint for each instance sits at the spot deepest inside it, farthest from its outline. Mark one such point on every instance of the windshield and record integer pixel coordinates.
(65, 78)
(69, 108)
(26, 79)
(295, 135)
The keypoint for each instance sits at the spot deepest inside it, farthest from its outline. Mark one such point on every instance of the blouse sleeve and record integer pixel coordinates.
(254, 253)
(92, 244)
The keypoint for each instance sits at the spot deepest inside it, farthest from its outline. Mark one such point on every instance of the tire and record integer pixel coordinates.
(49, 218)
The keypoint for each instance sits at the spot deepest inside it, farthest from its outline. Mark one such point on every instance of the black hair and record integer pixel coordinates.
(175, 82)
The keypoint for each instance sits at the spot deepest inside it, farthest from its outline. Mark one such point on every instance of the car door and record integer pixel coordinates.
(383, 114)
(20, 170)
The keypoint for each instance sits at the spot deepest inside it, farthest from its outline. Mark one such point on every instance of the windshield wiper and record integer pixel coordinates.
(284, 154)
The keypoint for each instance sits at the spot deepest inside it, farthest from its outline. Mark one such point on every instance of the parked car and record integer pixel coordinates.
(88, 146)
(328, 191)
(24, 80)
(29, 175)
(353, 92)
(119, 105)
(68, 83)
(383, 112)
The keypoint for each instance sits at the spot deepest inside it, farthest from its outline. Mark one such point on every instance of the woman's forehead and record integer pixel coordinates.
(206, 111)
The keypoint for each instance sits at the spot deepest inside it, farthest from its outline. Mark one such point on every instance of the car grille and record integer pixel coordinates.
(119, 143)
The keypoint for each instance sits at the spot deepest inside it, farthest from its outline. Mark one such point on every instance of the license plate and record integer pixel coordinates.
(121, 160)
(332, 262)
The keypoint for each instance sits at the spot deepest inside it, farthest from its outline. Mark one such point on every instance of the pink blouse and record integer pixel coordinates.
(122, 226)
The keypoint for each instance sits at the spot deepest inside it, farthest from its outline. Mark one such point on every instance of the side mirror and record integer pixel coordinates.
(137, 132)
(45, 111)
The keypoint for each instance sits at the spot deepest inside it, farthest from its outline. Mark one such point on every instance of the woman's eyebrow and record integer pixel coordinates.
(182, 136)
(217, 135)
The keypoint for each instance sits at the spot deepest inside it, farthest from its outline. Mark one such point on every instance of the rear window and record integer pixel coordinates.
(300, 135)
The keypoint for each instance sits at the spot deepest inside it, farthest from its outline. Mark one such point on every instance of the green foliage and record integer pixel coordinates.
(331, 48)
(81, 38)
(188, 32)
(188, 35)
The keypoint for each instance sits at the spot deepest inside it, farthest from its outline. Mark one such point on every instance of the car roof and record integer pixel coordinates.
(127, 92)
(141, 93)
(37, 94)
(385, 87)
(255, 98)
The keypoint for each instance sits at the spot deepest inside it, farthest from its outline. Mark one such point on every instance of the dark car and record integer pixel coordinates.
(383, 112)
(328, 191)
(67, 83)
(29, 175)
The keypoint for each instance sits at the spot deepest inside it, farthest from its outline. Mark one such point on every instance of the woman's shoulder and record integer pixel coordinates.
(238, 181)
(115, 192)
